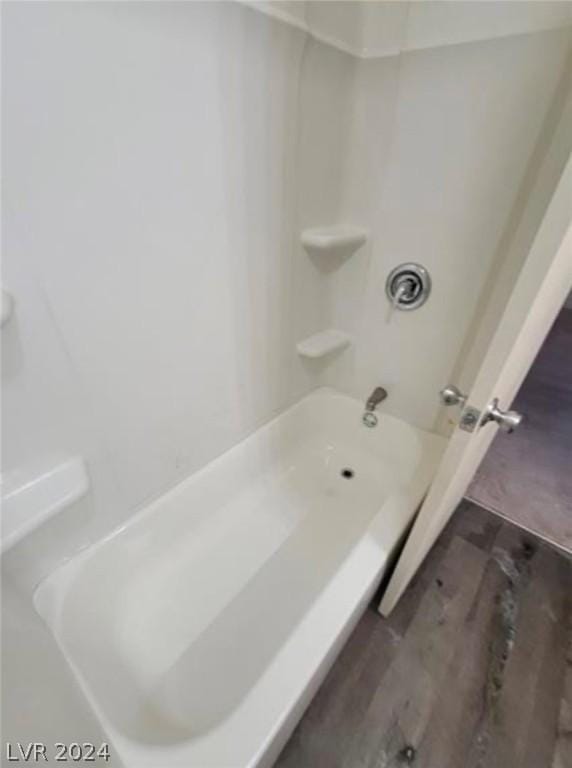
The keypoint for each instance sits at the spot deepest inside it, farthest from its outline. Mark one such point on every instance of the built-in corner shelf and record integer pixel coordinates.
(323, 343)
(336, 241)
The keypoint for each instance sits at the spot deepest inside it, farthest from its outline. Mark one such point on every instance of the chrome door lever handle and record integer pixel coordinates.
(452, 395)
(508, 421)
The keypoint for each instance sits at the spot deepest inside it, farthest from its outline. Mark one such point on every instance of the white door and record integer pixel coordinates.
(539, 293)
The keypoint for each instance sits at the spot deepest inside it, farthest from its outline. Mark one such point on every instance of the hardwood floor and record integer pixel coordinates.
(472, 670)
(527, 476)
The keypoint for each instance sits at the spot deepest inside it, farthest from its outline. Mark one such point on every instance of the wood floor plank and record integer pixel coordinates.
(462, 702)
(533, 674)
(325, 732)
(473, 669)
(516, 658)
(555, 594)
(394, 724)
(562, 757)
(343, 697)
(474, 524)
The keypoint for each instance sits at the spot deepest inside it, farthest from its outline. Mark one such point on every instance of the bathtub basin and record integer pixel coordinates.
(200, 631)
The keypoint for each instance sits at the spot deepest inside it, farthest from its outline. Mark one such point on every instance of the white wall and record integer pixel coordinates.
(374, 29)
(544, 169)
(441, 143)
(150, 235)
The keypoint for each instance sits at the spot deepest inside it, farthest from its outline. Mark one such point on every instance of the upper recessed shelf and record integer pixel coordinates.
(336, 241)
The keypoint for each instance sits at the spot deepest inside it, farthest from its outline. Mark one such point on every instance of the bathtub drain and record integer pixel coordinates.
(347, 473)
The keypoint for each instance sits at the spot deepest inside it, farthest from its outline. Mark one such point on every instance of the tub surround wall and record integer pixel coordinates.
(150, 224)
(371, 30)
(439, 147)
(544, 169)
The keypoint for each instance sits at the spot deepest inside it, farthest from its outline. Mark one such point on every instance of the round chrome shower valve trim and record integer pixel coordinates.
(408, 286)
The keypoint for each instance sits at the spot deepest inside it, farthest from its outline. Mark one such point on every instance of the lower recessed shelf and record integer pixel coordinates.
(323, 343)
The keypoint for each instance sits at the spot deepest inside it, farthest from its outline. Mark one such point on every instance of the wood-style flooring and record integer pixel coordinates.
(473, 669)
(527, 476)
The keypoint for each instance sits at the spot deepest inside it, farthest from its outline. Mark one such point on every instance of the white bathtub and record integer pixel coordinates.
(200, 631)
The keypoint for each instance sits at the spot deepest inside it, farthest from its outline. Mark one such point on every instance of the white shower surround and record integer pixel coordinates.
(438, 150)
(200, 631)
(373, 30)
(187, 307)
